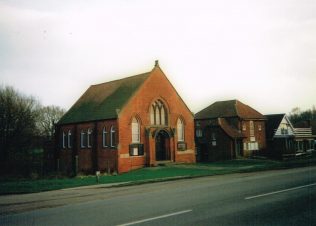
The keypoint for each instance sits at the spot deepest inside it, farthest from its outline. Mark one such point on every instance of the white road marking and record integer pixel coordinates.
(156, 218)
(281, 191)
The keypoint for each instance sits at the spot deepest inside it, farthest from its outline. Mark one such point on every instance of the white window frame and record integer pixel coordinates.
(198, 132)
(214, 143)
(82, 137)
(112, 132)
(180, 130)
(104, 137)
(64, 140)
(135, 131)
(244, 127)
(152, 115)
(69, 139)
(158, 113)
(89, 138)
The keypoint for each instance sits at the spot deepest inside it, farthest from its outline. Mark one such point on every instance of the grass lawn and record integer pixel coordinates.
(152, 174)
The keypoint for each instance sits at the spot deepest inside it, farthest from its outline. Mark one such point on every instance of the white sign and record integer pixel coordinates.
(135, 151)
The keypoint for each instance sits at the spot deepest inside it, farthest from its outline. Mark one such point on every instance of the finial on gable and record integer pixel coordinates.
(156, 63)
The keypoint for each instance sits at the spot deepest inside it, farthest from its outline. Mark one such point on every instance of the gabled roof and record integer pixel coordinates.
(230, 131)
(273, 122)
(102, 101)
(230, 108)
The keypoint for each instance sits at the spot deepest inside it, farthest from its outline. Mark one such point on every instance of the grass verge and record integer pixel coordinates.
(153, 174)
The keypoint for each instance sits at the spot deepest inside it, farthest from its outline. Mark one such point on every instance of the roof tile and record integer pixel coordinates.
(103, 100)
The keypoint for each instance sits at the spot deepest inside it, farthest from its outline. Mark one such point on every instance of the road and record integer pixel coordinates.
(283, 197)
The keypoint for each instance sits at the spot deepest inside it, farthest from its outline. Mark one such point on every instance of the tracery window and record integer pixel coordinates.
(158, 113)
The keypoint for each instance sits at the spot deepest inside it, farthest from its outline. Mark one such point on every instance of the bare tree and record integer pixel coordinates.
(17, 123)
(47, 117)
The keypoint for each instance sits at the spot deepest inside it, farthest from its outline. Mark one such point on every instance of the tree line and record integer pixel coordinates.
(297, 115)
(25, 125)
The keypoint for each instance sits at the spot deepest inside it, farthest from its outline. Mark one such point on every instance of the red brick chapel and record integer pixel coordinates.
(126, 124)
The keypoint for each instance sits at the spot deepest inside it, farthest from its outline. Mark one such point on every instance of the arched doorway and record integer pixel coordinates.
(162, 146)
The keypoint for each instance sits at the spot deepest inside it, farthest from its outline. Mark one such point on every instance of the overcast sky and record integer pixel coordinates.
(260, 52)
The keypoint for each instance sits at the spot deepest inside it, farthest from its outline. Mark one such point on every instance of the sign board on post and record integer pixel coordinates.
(97, 175)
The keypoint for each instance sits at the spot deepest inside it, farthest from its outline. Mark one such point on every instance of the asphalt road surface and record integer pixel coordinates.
(283, 197)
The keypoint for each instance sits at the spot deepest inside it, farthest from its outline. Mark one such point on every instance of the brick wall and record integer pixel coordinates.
(156, 87)
(259, 135)
(222, 148)
(106, 159)
(109, 159)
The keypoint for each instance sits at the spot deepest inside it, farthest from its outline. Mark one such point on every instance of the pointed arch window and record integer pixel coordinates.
(113, 137)
(89, 138)
(83, 139)
(180, 130)
(69, 139)
(158, 113)
(152, 115)
(64, 139)
(104, 137)
(135, 131)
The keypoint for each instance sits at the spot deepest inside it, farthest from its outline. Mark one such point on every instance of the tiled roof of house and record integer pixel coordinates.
(103, 101)
(230, 131)
(273, 122)
(230, 108)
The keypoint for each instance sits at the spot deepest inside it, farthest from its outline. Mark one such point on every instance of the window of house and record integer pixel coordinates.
(113, 136)
(284, 129)
(89, 138)
(252, 129)
(253, 146)
(152, 115)
(64, 140)
(259, 127)
(135, 131)
(198, 133)
(104, 137)
(69, 139)
(213, 137)
(244, 128)
(158, 113)
(180, 130)
(82, 139)
(299, 145)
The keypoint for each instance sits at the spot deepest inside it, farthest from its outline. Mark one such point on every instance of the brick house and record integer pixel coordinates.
(227, 129)
(126, 124)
